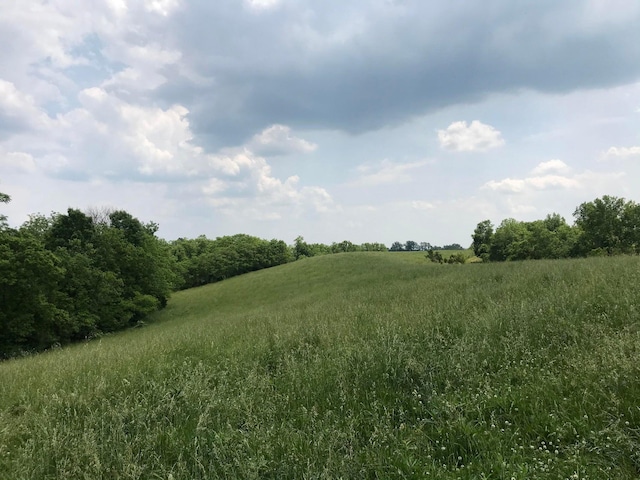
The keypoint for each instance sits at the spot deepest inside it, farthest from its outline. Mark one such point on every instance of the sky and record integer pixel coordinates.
(360, 120)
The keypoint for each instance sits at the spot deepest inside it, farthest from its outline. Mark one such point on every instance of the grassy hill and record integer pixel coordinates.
(360, 365)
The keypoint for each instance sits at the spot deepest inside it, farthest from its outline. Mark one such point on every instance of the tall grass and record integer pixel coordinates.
(355, 366)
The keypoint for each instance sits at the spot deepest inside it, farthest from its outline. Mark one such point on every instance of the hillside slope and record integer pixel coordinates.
(349, 365)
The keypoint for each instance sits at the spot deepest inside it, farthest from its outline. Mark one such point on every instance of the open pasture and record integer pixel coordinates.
(360, 365)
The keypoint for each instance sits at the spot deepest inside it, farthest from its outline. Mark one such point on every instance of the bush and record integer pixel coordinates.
(457, 258)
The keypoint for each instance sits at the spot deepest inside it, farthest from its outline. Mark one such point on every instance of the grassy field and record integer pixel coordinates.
(357, 365)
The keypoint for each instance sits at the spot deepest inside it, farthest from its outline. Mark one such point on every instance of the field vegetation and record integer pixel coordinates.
(355, 365)
(74, 276)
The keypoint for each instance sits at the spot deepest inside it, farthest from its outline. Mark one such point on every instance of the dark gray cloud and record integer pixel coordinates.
(371, 64)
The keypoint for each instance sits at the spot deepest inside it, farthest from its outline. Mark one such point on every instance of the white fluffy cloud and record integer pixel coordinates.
(554, 175)
(622, 152)
(476, 137)
(543, 182)
(545, 176)
(557, 166)
(550, 175)
(108, 138)
(17, 162)
(18, 110)
(279, 140)
(244, 184)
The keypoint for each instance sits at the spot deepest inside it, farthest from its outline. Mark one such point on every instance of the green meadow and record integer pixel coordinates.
(358, 365)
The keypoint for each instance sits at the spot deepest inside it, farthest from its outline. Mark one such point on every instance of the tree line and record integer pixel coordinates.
(77, 275)
(74, 276)
(201, 260)
(302, 249)
(604, 226)
(412, 246)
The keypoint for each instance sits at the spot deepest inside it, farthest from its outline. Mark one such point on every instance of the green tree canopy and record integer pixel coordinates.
(482, 238)
(602, 226)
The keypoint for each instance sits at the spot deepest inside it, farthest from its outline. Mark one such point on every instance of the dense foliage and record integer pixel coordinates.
(69, 277)
(605, 226)
(453, 258)
(201, 261)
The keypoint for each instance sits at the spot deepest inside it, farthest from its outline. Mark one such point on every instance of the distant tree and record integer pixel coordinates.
(411, 246)
(605, 226)
(344, 246)
(201, 260)
(424, 246)
(143, 261)
(300, 248)
(631, 226)
(551, 238)
(373, 247)
(396, 247)
(602, 226)
(38, 225)
(510, 241)
(316, 249)
(482, 239)
(73, 230)
(453, 246)
(277, 253)
(132, 229)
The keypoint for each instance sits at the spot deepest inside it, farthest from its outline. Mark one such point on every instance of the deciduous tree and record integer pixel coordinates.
(482, 239)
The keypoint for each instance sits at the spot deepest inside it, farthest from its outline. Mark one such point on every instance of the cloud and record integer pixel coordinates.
(532, 197)
(261, 4)
(386, 172)
(622, 152)
(17, 162)
(107, 138)
(278, 140)
(476, 137)
(361, 66)
(551, 166)
(248, 188)
(544, 182)
(338, 66)
(422, 205)
(507, 185)
(550, 175)
(165, 97)
(162, 7)
(18, 111)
